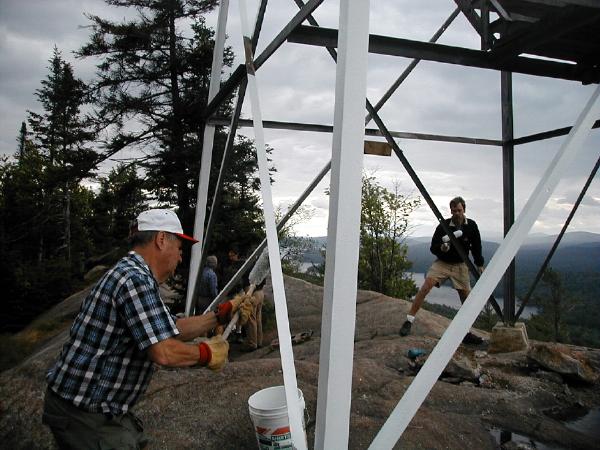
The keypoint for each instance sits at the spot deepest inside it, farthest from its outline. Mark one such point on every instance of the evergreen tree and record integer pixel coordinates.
(155, 75)
(120, 199)
(42, 205)
(383, 262)
(62, 136)
(22, 207)
(22, 139)
(240, 217)
(60, 131)
(31, 279)
(554, 303)
(154, 72)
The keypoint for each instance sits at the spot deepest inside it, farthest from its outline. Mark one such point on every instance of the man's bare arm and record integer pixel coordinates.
(173, 353)
(194, 326)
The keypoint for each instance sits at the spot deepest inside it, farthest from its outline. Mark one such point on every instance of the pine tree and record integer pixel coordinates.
(154, 75)
(33, 279)
(240, 217)
(22, 140)
(62, 136)
(120, 199)
(554, 302)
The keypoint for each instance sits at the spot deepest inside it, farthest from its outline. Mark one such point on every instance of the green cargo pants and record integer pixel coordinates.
(74, 428)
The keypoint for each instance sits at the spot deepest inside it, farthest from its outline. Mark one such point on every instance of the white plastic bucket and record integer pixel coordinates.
(268, 411)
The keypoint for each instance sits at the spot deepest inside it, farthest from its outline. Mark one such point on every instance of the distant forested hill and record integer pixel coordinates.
(577, 259)
(577, 252)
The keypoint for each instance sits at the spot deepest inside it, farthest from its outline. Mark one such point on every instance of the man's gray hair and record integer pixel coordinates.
(211, 261)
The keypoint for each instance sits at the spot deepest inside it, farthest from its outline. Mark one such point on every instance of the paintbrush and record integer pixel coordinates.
(257, 275)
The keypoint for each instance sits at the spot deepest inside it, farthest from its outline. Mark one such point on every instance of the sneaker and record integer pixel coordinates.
(405, 330)
(472, 339)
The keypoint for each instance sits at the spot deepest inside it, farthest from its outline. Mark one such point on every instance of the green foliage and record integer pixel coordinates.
(61, 137)
(553, 304)
(154, 72)
(487, 318)
(294, 247)
(383, 265)
(315, 274)
(584, 336)
(485, 321)
(31, 288)
(310, 277)
(34, 269)
(24, 215)
(151, 73)
(580, 320)
(442, 310)
(60, 132)
(239, 218)
(120, 199)
(43, 207)
(583, 320)
(149, 96)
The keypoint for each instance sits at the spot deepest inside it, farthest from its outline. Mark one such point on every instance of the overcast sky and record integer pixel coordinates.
(298, 83)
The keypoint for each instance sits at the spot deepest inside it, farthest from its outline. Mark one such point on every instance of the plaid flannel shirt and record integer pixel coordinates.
(103, 366)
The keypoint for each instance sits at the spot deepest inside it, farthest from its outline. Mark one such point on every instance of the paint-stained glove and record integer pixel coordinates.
(213, 353)
(225, 311)
(245, 309)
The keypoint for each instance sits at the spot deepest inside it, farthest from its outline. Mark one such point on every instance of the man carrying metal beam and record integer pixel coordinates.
(449, 264)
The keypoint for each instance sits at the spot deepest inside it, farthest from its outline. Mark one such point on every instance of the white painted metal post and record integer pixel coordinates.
(206, 160)
(339, 298)
(441, 354)
(283, 328)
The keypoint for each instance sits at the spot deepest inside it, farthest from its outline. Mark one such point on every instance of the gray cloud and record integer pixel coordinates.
(298, 84)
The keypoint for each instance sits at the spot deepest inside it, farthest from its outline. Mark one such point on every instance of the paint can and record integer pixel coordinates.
(268, 411)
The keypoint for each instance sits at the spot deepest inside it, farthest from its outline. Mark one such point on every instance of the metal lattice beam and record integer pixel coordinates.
(318, 128)
(540, 273)
(452, 337)
(385, 45)
(340, 287)
(240, 72)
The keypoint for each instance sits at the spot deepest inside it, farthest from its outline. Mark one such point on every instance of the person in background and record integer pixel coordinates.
(208, 289)
(231, 267)
(449, 264)
(121, 331)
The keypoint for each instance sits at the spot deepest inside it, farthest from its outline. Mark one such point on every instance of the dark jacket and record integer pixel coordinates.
(229, 270)
(470, 240)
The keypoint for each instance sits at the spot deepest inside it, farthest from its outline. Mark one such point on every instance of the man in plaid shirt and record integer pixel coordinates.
(122, 329)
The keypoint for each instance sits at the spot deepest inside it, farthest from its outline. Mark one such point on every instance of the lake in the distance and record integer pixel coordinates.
(446, 295)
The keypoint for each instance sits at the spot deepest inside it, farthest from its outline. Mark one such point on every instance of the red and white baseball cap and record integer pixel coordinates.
(162, 220)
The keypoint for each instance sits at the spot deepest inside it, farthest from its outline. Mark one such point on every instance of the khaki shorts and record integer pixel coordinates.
(76, 429)
(457, 273)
